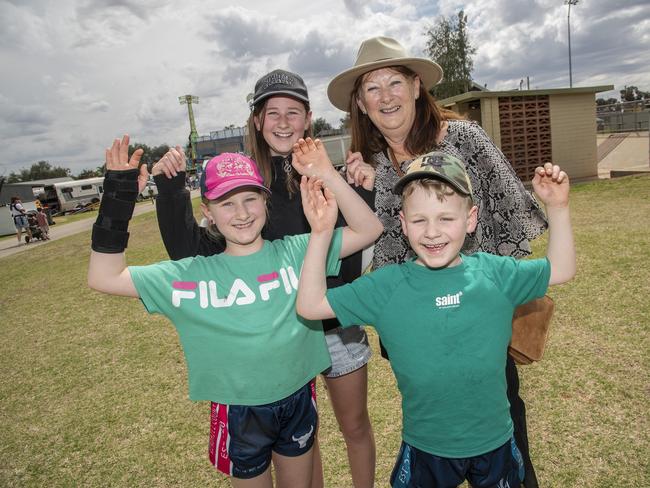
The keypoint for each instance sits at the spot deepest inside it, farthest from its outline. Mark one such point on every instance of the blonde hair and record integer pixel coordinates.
(259, 150)
(422, 137)
(439, 188)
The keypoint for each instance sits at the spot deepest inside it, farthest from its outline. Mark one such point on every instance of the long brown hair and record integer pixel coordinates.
(259, 150)
(422, 137)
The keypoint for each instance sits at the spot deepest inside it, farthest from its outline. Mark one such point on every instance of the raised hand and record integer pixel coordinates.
(310, 158)
(551, 185)
(358, 172)
(117, 159)
(171, 163)
(319, 205)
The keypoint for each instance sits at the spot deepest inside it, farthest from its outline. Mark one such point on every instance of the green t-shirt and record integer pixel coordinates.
(447, 333)
(236, 318)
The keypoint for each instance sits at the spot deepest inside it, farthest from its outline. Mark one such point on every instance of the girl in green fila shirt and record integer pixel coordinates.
(246, 349)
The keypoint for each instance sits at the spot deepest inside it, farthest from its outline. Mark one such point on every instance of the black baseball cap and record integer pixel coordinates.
(280, 82)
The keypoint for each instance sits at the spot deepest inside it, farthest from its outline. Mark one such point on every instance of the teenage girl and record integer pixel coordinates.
(281, 115)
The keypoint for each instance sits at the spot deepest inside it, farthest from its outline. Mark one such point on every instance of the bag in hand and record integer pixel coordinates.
(530, 325)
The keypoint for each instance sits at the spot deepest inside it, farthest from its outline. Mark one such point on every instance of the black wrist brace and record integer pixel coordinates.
(170, 185)
(118, 201)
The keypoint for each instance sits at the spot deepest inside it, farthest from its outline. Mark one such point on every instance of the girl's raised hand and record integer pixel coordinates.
(319, 205)
(171, 163)
(117, 159)
(310, 158)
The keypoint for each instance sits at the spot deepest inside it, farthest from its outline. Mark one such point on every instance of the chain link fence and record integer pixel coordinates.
(623, 117)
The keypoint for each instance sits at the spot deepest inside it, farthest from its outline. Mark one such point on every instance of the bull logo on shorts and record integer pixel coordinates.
(302, 440)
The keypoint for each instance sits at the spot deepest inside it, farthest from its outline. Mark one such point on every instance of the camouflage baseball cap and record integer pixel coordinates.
(439, 166)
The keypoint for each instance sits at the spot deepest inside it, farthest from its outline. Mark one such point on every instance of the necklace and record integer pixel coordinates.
(393, 160)
(286, 164)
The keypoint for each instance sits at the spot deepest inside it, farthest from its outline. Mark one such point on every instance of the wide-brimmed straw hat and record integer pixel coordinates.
(375, 53)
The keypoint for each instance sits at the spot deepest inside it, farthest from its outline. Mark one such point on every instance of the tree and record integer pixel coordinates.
(633, 94)
(609, 101)
(448, 45)
(151, 154)
(344, 123)
(229, 126)
(608, 105)
(319, 125)
(42, 170)
(90, 173)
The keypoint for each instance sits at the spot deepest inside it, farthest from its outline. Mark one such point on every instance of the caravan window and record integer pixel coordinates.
(86, 187)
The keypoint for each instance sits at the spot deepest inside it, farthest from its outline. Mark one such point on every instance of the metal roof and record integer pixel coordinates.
(475, 95)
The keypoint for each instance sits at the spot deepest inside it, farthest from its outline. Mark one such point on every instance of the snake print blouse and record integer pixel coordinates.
(509, 217)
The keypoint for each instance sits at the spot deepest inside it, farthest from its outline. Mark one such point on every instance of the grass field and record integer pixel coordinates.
(93, 390)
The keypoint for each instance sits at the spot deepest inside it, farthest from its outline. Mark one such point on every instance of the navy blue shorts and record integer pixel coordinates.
(501, 468)
(242, 438)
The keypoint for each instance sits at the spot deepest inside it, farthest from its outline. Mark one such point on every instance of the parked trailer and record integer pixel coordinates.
(73, 194)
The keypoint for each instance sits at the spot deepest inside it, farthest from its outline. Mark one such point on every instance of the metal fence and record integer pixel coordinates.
(623, 117)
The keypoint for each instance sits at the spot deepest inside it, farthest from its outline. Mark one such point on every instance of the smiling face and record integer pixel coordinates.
(388, 98)
(239, 216)
(283, 121)
(436, 229)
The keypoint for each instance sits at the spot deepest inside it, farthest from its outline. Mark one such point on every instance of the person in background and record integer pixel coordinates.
(41, 220)
(20, 220)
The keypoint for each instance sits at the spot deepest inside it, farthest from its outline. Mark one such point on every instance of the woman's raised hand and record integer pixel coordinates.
(358, 172)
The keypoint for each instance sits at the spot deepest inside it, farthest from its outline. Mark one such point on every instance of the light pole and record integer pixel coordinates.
(568, 25)
(189, 100)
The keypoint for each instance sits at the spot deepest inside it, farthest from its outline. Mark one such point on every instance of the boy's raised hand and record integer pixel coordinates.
(171, 163)
(551, 185)
(310, 158)
(117, 159)
(319, 205)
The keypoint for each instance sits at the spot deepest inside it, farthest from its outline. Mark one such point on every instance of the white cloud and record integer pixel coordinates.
(77, 73)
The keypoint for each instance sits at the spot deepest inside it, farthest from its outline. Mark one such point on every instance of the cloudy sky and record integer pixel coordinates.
(77, 73)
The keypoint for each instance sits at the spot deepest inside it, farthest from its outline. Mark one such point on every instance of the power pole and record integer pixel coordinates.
(189, 100)
(568, 24)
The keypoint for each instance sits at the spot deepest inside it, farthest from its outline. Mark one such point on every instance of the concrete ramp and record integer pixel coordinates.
(627, 151)
(608, 145)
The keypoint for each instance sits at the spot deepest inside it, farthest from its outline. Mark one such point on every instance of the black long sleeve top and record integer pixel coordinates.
(183, 237)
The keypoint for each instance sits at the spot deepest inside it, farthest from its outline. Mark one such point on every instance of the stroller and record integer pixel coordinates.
(36, 231)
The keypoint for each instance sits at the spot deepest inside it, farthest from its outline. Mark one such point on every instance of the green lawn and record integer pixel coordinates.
(93, 390)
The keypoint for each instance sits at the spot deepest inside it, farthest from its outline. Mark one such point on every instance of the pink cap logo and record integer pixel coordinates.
(228, 172)
(235, 166)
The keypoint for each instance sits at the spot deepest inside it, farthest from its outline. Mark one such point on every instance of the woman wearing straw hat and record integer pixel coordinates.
(393, 118)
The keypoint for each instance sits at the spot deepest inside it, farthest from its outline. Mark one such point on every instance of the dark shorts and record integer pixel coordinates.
(242, 438)
(501, 468)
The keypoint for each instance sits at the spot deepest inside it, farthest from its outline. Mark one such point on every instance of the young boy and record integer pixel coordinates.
(445, 319)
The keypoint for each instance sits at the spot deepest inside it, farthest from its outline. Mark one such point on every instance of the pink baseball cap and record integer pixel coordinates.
(227, 172)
